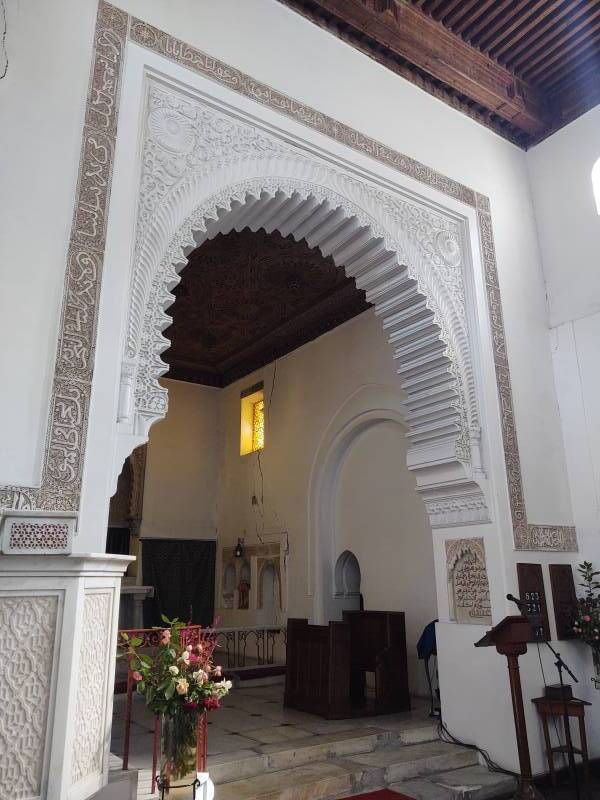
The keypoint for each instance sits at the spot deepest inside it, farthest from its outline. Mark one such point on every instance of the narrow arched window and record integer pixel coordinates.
(596, 183)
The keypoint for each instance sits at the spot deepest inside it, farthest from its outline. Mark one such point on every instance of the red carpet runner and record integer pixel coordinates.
(383, 794)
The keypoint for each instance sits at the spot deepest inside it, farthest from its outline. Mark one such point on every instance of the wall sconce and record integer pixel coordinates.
(239, 548)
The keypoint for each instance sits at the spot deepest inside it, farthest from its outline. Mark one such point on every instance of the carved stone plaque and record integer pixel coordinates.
(564, 599)
(531, 590)
(468, 587)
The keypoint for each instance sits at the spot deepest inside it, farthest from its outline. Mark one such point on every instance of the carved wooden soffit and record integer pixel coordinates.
(396, 31)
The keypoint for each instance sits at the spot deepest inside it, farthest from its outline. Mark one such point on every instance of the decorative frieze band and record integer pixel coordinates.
(527, 536)
(469, 508)
(69, 408)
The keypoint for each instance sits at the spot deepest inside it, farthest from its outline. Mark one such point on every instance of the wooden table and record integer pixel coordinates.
(551, 707)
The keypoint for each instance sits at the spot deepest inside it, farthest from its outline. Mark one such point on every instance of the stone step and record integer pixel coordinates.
(145, 785)
(324, 779)
(342, 776)
(475, 783)
(399, 763)
(277, 757)
(314, 748)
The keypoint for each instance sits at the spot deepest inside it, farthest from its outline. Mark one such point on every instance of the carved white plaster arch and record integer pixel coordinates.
(205, 172)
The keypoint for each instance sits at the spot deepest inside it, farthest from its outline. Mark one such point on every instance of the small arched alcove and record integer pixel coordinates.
(347, 583)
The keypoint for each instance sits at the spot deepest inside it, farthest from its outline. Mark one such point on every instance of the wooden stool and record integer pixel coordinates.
(550, 707)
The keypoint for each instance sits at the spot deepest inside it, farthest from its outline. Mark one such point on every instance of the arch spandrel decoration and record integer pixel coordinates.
(205, 173)
(114, 31)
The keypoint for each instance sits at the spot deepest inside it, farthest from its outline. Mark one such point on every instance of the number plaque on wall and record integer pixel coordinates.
(564, 599)
(531, 590)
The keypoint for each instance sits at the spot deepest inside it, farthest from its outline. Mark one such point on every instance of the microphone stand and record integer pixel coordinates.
(560, 666)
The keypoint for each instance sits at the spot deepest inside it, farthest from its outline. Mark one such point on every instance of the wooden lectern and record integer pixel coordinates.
(510, 638)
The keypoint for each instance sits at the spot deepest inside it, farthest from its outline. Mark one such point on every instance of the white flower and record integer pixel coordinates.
(182, 686)
(222, 688)
(173, 670)
(185, 656)
(200, 676)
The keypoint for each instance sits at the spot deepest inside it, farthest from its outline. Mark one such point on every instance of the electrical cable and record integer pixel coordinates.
(445, 736)
(3, 39)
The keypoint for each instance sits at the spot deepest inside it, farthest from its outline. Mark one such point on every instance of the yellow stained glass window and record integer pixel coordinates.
(258, 425)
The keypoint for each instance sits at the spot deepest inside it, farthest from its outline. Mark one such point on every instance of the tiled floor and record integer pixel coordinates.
(250, 719)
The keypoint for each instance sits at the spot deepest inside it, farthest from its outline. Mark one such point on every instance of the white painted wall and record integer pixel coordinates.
(50, 61)
(380, 518)
(182, 466)
(41, 108)
(197, 481)
(311, 384)
(567, 219)
(569, 232)
(575, 346)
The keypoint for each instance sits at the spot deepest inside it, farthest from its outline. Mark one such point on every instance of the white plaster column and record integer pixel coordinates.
(58, 630)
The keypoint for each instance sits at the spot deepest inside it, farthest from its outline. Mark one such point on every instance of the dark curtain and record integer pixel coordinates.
(182, 572)
(117, 541)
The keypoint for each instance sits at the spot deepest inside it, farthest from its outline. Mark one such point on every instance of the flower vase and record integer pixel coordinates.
(596, 659)
(178, 755)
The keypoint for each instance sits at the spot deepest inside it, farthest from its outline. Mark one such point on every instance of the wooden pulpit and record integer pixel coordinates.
(510, 637)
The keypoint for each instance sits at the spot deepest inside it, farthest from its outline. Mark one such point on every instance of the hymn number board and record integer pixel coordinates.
(531, 590)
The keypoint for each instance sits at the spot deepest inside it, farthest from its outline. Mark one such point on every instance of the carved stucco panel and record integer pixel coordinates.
(27, 640)
(88, 739)
(468, 586)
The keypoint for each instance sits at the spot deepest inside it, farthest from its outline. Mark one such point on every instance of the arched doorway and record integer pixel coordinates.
(378, 516)
(410, 254)
(347, 584)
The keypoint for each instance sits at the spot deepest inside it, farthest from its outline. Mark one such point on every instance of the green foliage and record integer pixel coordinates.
(586, 625)
(178, 681)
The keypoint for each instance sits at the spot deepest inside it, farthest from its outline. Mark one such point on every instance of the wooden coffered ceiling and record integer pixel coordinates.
(522, 67)
(248, 298)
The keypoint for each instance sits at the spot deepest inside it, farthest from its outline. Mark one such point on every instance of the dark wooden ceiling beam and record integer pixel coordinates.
(551, 20)
(479, 11)
(471, 32)
(579, 95)
(435, 5)
(448, 9)
(455, 16)
(590, 66)
(508, 24)
(427, 44)
(563, 45)
(568, 62)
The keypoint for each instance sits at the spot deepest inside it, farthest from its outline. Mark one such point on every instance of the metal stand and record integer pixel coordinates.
(163, 785)
(560, 666)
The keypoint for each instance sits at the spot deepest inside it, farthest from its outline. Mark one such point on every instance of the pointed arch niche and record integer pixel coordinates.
(205, 172)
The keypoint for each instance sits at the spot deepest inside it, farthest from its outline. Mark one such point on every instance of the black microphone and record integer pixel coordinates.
(517, 601)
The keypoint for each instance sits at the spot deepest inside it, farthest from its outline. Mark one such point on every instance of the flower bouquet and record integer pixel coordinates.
(587, 614)
(180, 683)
